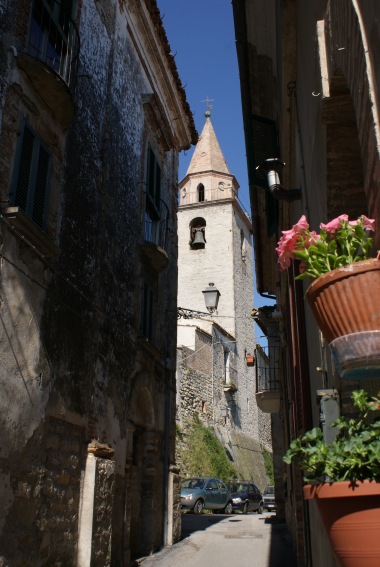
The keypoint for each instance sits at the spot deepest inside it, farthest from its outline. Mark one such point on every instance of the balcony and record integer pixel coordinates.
(267, 382)
(156, 221)
(51, 56)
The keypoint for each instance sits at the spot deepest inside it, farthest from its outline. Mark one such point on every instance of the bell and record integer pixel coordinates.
(199, 241)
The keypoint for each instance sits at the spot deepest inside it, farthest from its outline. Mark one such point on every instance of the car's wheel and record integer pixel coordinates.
(228, 508)
(260, 509)
(245, 509)
(198, 507)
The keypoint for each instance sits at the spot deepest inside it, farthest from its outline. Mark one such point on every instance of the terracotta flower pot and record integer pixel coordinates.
(351, 516)
(346, 305)
(250, 360)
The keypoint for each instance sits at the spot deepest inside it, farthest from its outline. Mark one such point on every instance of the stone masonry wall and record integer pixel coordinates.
(44, 497)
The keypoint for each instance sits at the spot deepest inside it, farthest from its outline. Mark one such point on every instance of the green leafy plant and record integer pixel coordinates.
(354, 455)
(339, 243)
(268, 464)
(201, 453)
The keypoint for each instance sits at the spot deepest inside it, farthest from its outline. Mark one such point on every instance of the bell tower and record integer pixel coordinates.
(215, 246)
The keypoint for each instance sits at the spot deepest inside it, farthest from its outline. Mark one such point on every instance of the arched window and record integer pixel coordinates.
(197, 233)
(243, 250)
(201, 193)
(227, 378)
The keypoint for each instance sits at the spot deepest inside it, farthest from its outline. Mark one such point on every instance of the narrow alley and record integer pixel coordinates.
(217, 540)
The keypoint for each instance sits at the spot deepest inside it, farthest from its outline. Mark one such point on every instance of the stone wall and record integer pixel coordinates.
(75, 366)
(43, 493)
(194, 388)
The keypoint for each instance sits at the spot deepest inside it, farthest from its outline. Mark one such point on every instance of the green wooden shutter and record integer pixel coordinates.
(146, 323)
(40, 188)
(264, 146)
(24, 168)
(31, 176)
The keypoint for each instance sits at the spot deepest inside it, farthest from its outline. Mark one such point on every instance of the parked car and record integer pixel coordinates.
(246, 497)
(210, 493)
(269, 502)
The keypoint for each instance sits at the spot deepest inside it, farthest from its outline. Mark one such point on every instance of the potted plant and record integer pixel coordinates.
(344, 479)
(250, 359)
(342, 296)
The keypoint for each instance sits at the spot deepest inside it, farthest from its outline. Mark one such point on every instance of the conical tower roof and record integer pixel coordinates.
(208, 155)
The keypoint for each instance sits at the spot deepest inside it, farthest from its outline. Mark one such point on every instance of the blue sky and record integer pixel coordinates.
(202, 38)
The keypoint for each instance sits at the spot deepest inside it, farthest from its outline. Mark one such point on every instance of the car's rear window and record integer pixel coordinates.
(237, 487)
(269, 490)
(193, 483)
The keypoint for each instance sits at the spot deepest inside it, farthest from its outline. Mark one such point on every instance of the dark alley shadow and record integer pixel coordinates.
(193, 523)
(282, 553)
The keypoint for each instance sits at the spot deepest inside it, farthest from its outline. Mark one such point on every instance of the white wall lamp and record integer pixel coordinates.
(272, 168)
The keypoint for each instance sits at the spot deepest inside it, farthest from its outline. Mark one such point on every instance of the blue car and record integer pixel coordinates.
(210, 493)
(246, 497)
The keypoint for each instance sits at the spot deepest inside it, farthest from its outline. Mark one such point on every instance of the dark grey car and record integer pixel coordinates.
(210, 493)
(246, 497)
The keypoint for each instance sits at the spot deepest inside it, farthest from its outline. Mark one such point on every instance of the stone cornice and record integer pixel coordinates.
(151, 44)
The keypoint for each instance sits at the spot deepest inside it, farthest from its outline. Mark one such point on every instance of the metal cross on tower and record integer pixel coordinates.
(207, 101)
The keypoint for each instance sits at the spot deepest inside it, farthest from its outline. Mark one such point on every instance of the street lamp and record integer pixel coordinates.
(211, 295)
(272, 168)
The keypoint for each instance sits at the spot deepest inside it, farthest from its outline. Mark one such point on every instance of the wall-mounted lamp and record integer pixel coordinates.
(211, 295)
(272, 168)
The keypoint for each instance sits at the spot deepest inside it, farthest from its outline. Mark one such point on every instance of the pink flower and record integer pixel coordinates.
(301, 225)
(313, 238)
(368, 224)
(334, 225)
(291, 240)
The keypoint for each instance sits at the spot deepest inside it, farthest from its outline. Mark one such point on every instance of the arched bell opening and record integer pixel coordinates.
(198, 233)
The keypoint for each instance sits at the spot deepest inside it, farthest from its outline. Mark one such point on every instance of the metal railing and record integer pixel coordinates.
(267, 365)
(156, 221)
(54, 38)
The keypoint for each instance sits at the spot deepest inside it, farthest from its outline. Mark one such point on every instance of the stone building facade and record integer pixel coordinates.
(310, 83)
(93, 116)
(215, 246)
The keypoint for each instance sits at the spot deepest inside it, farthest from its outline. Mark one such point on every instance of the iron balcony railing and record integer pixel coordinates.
(156, 220)
(267, 364)
(54, 38)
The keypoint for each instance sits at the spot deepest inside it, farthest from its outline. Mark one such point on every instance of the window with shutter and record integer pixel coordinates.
(51, 33)
(264, 145)
(146, 319)
(153, 183)
(31, 176)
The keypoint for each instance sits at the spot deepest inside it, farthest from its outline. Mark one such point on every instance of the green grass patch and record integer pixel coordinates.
(268, 463)
(201, 453)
